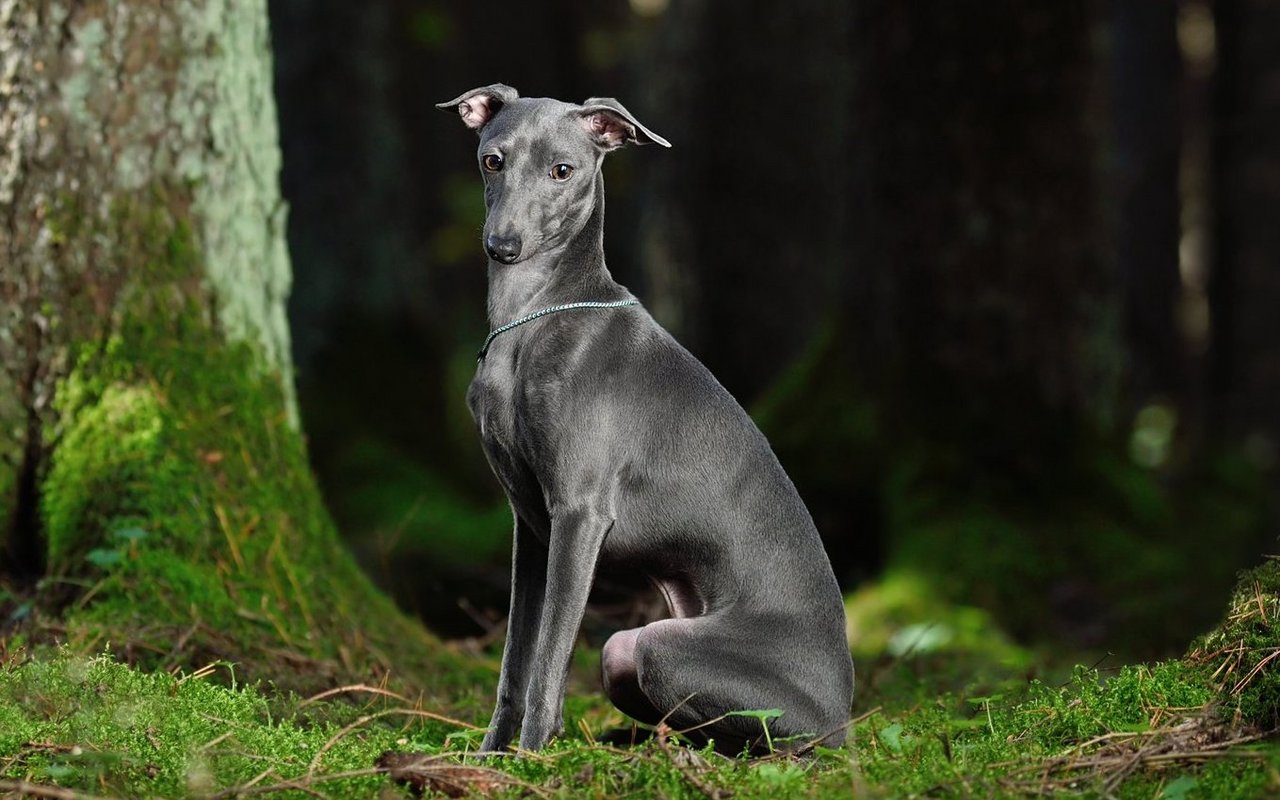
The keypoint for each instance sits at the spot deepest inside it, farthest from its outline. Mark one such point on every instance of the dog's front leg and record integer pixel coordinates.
(528, 584)
(576, 537)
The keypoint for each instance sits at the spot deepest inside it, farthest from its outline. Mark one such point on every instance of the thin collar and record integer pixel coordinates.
(493, 334)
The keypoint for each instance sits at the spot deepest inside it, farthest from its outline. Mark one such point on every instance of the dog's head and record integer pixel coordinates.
(540, 159)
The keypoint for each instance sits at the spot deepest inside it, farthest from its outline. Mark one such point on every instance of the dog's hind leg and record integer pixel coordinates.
(618, 674)
(690, 674)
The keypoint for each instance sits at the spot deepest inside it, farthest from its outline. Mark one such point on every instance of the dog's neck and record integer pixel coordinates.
(572, 272)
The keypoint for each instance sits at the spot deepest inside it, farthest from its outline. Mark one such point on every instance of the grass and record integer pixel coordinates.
(72, 726)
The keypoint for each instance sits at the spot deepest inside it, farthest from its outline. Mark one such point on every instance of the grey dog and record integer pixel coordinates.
(617, 448)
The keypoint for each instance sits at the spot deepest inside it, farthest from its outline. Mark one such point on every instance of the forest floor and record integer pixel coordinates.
(941, 716)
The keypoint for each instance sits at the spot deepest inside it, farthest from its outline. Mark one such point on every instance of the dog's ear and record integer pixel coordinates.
(478, 106)
(611, 125)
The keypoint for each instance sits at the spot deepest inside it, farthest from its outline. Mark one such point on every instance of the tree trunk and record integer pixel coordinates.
(1245, 284)
(151, 447)
(1145, 72)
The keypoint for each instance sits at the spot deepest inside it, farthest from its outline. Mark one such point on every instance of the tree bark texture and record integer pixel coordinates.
(148, 433)
(112, 114)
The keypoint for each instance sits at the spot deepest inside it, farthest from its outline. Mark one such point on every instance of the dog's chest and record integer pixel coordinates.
(492, 400)
(495, 402)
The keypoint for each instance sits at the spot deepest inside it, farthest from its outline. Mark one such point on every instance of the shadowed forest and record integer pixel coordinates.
(997, 281)
(997, 285)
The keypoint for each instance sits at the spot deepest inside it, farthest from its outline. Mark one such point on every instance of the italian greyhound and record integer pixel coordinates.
(617, 448)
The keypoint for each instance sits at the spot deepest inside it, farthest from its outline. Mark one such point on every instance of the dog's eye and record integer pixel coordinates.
(561, 172)
(492, 162)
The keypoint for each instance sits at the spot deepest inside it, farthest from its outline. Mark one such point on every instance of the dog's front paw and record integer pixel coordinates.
(538, 731)
(493, 744)
(502, 729)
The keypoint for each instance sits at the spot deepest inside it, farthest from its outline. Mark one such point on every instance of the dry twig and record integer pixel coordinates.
(28, 789)
(356, 687)
(710, 792)
(1112, 758)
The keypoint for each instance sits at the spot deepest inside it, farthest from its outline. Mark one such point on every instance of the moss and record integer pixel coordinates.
(96, 725)
(1078, 739)
(181, 495)
(1241, 652)
(1134, 699)
(180, 489)
(99, 726)
(115, 466)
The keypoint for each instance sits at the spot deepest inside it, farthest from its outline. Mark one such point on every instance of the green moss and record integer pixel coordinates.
(116, 466)
(1241, 651)
(1134, 699)
(99, 726)
(96, 725)
(181, 495)
(180, 489)
(1078, 739)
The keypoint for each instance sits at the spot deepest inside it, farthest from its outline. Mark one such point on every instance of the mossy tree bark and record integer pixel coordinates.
(149, 446)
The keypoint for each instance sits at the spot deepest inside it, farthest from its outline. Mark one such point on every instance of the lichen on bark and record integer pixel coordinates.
(104, 101)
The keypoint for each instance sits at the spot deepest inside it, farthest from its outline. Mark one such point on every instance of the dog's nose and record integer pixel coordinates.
(502, 248)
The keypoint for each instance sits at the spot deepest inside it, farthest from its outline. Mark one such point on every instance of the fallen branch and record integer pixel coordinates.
(28, 789)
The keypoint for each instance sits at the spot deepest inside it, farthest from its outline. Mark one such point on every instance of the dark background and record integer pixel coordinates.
(1000, 281)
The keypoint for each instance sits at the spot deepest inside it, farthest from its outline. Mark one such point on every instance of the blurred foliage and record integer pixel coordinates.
(432, 26)
(457, 240)
(1108, 560)
(410, 509)
(901, 615)
(1083, 546)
